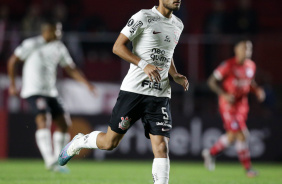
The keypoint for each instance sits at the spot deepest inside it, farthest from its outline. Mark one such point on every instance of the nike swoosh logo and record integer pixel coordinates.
(154, 32)
(165, 130)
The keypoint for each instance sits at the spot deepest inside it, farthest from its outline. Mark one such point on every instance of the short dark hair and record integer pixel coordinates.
(50, 22)
(241, 39)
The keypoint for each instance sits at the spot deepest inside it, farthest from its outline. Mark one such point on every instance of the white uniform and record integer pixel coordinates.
(154, 38)
(40, 67)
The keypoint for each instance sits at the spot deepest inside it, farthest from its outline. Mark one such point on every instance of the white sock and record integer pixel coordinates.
(60, 139)
(89, 140)
(160, 170)
(241, 145)
(43, 140)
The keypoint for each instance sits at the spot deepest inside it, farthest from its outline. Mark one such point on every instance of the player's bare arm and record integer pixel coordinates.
(177, 77)
(122, 51)
(12, 63)
(258, 91)
(77, 75)
(214, 85)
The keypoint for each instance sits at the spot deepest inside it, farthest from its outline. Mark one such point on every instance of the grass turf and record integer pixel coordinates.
(133, 172)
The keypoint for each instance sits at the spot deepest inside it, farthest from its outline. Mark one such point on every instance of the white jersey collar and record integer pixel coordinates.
(154, 9)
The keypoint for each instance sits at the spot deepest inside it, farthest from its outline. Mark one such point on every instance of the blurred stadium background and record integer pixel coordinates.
(90, 29)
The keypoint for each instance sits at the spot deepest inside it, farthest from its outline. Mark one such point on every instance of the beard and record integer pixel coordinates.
(171, 7)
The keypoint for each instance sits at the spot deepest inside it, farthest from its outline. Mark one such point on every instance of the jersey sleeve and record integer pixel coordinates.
(24, 49)
(136, 25)
(66, 59)
(221, 71)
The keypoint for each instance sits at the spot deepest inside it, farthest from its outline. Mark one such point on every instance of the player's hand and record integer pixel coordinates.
(260, 94)
(153, 72)
(182, 80)
(229, 98)
(92, 89)
(13, 90)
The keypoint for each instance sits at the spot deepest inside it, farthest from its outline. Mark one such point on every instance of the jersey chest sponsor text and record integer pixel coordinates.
(153, 85)
(241, 82)
(159, 58)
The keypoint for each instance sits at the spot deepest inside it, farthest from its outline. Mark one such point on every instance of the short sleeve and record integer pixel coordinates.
(24, 49)
(221, 71)
(136, 25)
(66, 59)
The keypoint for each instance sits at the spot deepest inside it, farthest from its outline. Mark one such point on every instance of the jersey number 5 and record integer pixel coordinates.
(165, 113)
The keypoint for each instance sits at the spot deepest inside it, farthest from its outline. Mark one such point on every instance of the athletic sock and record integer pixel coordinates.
(88, 141)
(220, 145)
(60, 139)
(160, 170)
(43, 140)
(243, 154)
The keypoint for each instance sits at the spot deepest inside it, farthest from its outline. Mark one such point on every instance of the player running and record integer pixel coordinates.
(41, 56)
(145, 91)
(237, 80)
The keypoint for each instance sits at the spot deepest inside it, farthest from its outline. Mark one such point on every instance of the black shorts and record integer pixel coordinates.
(154, 111)
(43, 104)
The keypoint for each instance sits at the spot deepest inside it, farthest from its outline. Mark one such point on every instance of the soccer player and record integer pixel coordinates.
(232, 81)
(145, 91)
(41, 56)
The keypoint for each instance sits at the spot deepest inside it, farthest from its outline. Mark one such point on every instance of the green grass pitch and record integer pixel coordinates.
(134, 172)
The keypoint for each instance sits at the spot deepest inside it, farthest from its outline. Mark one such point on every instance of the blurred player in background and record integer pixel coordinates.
(145, 91)
(41, 56)
(232, 81)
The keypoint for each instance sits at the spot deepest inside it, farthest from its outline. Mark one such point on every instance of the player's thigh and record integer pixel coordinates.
(62, 122)
(127, 110)
(242, 135)
(230, 122)
(231, 135)
(157, 119)
(56, 108)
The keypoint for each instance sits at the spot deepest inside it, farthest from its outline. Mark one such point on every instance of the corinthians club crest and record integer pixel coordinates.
(125, 123)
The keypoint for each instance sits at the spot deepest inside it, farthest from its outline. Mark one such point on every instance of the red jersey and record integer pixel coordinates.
(236, 79)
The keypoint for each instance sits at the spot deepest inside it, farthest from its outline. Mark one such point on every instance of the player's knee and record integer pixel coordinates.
(64, 127)
(62, 123)
(241, 137)
(161, 150)
(41, 121)
(231, 137)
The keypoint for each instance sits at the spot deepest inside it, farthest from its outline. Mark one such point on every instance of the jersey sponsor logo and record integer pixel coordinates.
(41, 103)
(158, 51)
(165, 129)
(136, 26)
(154, 32)
(249, 72)
(153, 19)
(176, 36)
(166, 126)
(234, 125)
(165, 123)
(153, 85)
(242, 82)
(125, 123)
(167, 39)
(159, 58)
(130, 22)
